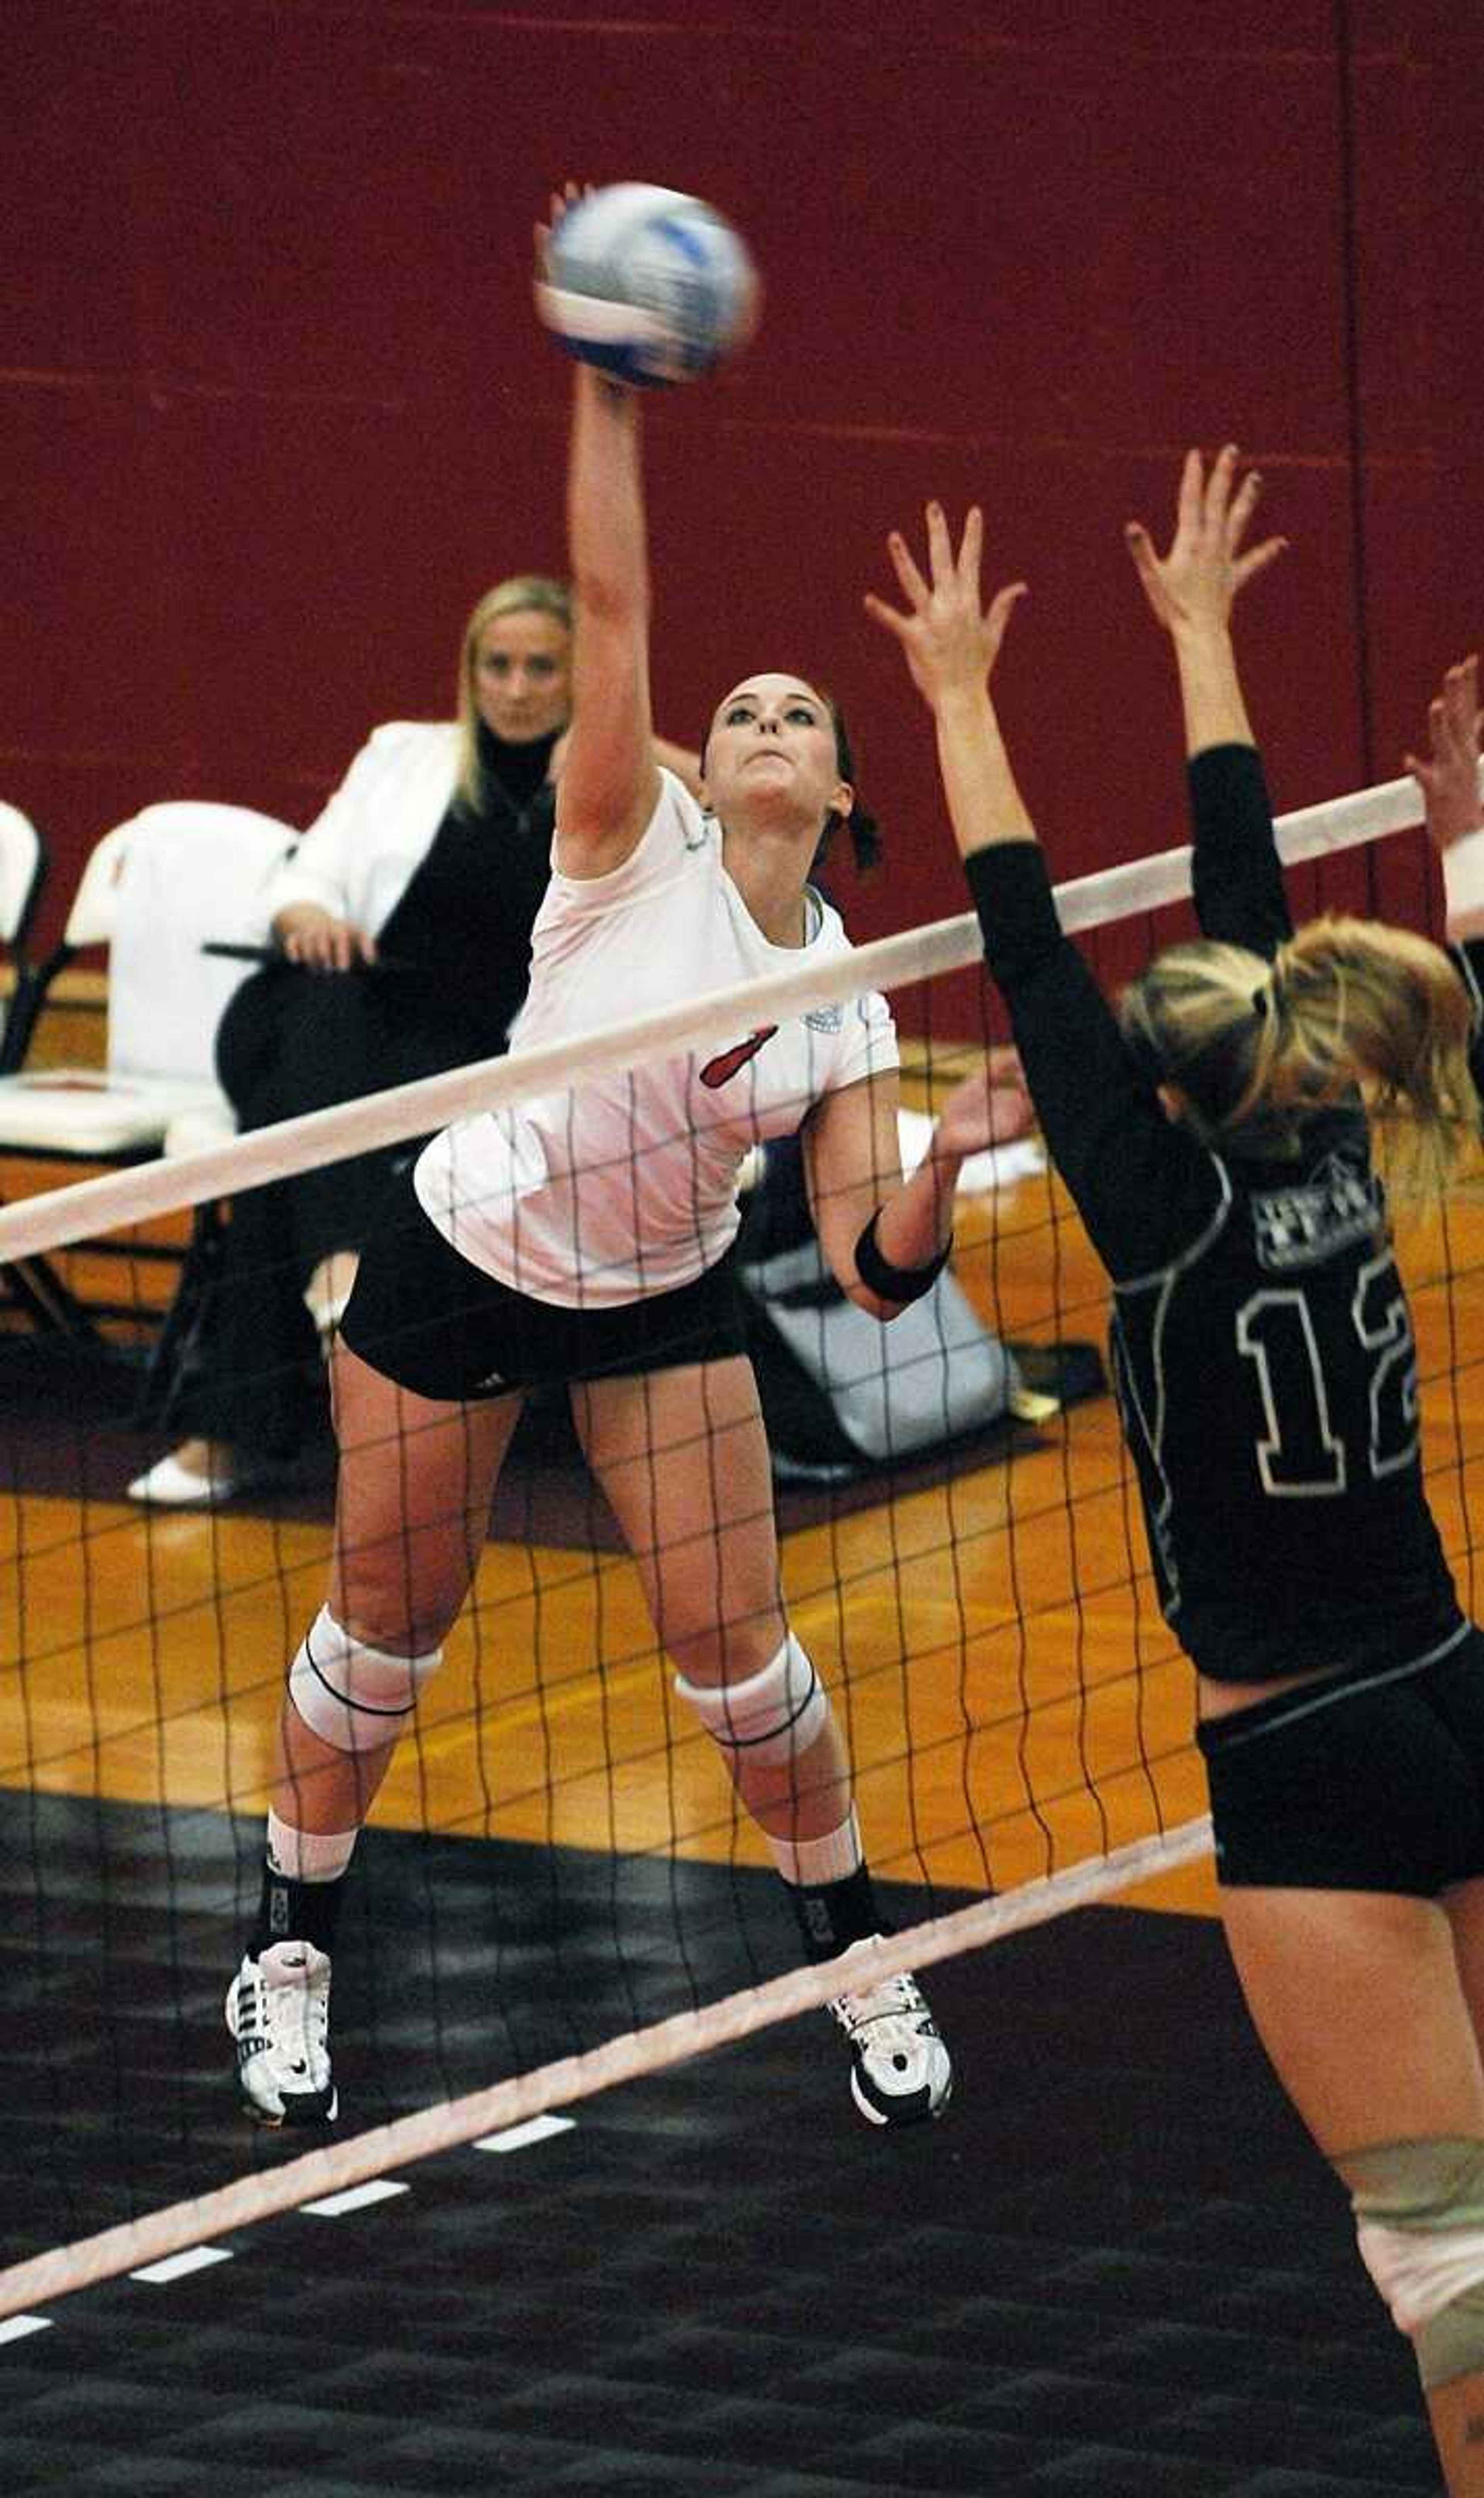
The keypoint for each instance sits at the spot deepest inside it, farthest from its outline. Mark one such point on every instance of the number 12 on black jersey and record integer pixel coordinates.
(1301, 1454)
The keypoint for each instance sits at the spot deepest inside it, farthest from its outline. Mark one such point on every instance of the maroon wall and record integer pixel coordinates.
(274, 405)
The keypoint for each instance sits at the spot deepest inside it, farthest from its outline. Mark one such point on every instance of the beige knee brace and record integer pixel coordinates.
(1419, 2214)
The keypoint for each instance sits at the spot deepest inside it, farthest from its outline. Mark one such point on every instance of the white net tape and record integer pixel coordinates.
(891, 963)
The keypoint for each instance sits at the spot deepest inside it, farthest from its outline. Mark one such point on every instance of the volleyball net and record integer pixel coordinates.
(558, 1890)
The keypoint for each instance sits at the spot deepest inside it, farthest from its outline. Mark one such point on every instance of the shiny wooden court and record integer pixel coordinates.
(1015, 1702)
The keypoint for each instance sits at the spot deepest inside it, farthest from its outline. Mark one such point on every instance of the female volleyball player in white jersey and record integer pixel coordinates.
(1214, 1139)
(586, 1238)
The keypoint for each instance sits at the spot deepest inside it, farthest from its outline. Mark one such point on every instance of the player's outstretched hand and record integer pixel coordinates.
(948, 636)
(990, 1107)
(1197, 583)
(1449, 774)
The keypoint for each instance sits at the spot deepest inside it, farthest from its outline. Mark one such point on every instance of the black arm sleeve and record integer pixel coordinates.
(1144, 1187)
(1236, 874)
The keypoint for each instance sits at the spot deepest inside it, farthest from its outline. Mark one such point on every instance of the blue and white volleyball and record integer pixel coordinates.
(650, 285)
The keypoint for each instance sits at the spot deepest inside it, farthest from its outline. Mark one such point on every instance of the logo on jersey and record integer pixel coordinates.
(720, 1070)
(1335, 1208)
(826, 1020)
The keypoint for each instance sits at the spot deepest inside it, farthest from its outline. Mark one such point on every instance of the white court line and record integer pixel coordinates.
(355, 2197)
(16, 2327)
(189, 2259)
(518, 2137)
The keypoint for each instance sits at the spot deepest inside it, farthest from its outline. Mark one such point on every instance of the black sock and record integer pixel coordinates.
(302, 1913)
(834, 1915)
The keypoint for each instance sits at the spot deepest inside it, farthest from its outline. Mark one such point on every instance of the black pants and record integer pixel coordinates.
(292, 1041)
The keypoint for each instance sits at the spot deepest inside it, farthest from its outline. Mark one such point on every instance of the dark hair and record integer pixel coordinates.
(861, 824)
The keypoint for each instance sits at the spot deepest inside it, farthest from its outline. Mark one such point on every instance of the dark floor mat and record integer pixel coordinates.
(1116, 2267)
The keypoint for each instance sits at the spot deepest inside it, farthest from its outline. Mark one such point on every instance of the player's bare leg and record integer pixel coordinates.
(682, 1457)
(1360, 2000)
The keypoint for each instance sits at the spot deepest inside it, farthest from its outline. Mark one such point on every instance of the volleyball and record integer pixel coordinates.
(650, 285)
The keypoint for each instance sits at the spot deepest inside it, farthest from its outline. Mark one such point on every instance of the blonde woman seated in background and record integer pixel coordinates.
(404, 921)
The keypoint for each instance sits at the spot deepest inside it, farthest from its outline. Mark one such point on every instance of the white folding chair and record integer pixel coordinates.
(22, 875)
(155, 890)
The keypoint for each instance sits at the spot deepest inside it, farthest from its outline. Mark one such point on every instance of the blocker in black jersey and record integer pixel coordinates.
(1215, 1141)
(1262, 1347)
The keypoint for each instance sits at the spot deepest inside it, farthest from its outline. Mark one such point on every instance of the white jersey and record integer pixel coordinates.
(627, 1185)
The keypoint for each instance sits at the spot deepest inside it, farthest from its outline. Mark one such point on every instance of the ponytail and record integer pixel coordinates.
(1255, 1048)
(861, 824)
(1355, 998)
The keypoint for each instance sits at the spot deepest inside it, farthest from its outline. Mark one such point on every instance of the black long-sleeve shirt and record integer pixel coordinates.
(1262, 1348)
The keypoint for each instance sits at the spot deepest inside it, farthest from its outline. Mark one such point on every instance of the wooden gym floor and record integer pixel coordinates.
(1014, 1700)
(980, 1620)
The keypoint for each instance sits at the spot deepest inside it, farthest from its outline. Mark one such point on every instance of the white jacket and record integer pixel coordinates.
(358, 858)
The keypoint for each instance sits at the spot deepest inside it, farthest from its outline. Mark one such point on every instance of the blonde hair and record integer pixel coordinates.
(1254, 1048)
(522, 593)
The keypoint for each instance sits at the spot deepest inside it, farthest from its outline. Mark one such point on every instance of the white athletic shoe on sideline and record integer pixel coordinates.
(278, 2012)
(900, 2071)
(169, 1484)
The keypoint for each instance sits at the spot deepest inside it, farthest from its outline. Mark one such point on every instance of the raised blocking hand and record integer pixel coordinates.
(947, 636)
(1450, 774)
(1199, 580)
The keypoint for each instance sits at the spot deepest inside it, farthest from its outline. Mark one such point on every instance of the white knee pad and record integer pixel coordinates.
(773, 1718)
(1419, 2215)
(350, 1694)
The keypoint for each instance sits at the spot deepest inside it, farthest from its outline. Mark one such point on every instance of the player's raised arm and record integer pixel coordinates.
(609, 782)
(609, 778)
(1191, 591)
(1448, 775)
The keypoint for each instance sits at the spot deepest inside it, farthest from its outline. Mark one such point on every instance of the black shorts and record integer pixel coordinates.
(1377, 1785)
(423, 1316)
